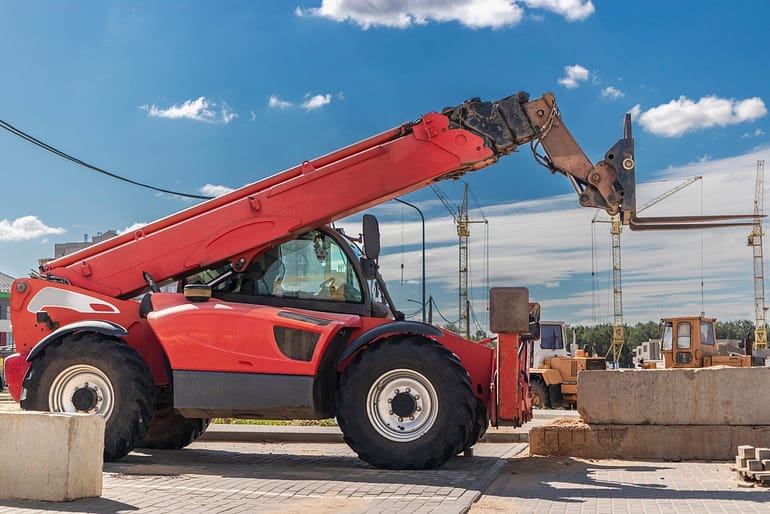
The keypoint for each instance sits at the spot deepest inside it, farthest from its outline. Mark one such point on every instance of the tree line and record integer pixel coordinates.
(597, 338)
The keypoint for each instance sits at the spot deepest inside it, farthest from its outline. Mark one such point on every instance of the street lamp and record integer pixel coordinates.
(423, 251)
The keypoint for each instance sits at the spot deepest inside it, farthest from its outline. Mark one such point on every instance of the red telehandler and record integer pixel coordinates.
(279, 316)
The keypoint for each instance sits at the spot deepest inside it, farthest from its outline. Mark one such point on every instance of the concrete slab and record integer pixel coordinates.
(51, 457)
(706, 396)
(658, 442)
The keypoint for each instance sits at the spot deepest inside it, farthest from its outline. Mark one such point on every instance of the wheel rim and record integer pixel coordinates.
(82, 388)
(402, 405)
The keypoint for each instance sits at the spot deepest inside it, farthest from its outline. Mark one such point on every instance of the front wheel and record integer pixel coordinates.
(538, 393)
(406, 403)
(94, 374)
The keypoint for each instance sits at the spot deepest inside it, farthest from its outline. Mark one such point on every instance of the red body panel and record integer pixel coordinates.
(237, 337)
(68, 304)
(15, 367)
(210, 336)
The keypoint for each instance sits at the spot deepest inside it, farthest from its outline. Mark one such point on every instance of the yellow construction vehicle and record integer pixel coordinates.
(690, 342)
(553, 371)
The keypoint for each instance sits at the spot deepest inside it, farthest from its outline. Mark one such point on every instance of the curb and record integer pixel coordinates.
(313, 434)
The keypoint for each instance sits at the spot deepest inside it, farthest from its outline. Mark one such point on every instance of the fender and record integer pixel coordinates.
(396, 327)
(106, 328)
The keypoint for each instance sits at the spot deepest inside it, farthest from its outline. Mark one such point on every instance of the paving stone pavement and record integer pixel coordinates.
(327, 478)
(278, 477)
(574, 486)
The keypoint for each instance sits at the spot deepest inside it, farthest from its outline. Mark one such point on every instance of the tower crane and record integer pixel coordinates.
(618, 330)
(460, 216)
(755, 241)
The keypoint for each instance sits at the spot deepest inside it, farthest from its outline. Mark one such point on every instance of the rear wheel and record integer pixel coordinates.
(406, 403)
(538, 393)
(480, 425)
(94, 374)
(169, 430)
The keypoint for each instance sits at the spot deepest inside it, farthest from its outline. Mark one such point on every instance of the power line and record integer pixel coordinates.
(13, 130)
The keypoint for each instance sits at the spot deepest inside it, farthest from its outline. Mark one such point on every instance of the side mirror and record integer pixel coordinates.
(371, 237)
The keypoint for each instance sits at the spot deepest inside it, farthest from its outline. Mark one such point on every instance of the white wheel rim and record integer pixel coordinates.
(82, 379)
(402, 405)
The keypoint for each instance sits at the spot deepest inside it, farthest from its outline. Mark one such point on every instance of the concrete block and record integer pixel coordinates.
(762, 453)
(705, 396)
(746, 451)
(765, 464)
(754, 465)
(740, 462)
(645, 441)
(50, 457)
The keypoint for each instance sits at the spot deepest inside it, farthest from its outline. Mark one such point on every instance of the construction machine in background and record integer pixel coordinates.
(690, 342)
(553, 371)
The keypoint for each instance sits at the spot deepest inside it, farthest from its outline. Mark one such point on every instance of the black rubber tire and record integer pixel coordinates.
(436, 387)
(112, 368)
(480, 426)
(169, 430)
(538, 393)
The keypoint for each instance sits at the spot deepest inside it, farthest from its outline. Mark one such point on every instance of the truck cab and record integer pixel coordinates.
(554, 371)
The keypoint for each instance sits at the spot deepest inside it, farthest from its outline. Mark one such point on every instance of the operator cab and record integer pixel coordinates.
(550, 344)
(686, 341)
(319, 270)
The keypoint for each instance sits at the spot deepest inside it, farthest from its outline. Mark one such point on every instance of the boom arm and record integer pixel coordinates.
(235, 226)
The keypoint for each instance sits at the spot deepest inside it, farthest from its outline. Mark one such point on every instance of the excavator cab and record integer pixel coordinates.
(690, 342)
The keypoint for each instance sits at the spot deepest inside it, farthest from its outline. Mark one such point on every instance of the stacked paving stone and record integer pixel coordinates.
(753, 464)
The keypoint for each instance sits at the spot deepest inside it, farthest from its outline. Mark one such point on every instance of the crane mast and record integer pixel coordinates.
(755, 241)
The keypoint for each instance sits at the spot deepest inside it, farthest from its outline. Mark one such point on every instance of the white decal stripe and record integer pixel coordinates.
(54, 297)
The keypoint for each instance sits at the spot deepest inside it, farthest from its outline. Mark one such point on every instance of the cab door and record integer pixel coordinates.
(677, 344)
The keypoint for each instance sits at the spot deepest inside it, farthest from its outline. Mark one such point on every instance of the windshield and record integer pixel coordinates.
(312, 266)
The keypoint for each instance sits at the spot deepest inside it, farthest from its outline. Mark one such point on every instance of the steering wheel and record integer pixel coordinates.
(324, 288)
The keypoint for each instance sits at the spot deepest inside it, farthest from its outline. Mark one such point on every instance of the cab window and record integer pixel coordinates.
(313, 266)
(707, 333)
(683, 334)
(551, 337)
(668, 336)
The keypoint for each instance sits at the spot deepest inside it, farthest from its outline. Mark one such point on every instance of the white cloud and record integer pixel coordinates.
(572, 10)
(635, 111)
(215, 190)
(573, 75)
(757, 132)
(316, 101)
(683, 115)
(612, 93)
(470, 13)
(133, 227)
(201, 109)
(275, 102)
(26, 228)
(310, 103)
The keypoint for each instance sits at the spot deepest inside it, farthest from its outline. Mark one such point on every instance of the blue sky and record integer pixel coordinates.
(202, 96)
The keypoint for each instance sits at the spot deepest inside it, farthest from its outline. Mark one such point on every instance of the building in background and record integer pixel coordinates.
(62, 249)
(6, 339)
